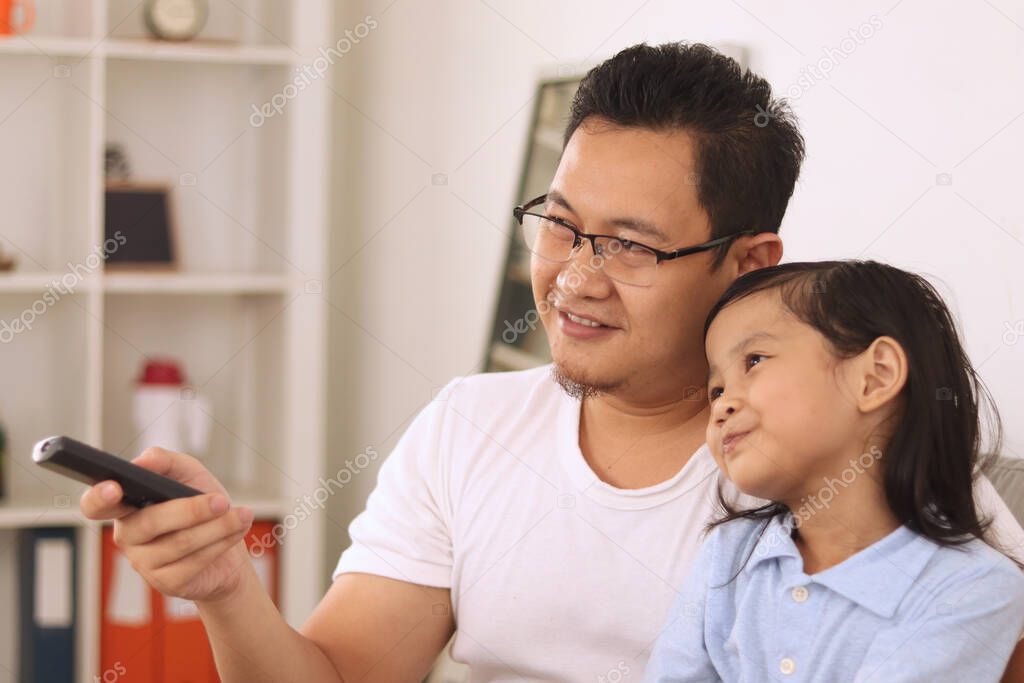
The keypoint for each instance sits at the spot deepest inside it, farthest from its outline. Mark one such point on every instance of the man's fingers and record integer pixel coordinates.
(169, 516)
(103, 502)
(173, 575)
(174, 546)
(177, 466)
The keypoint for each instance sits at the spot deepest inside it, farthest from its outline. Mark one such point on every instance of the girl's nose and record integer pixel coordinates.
(724, 408)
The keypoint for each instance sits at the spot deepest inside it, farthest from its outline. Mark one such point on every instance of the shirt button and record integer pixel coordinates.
(800, 594)
(787, 666)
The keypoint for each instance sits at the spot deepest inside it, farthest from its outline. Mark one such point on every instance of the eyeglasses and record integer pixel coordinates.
(623, 260)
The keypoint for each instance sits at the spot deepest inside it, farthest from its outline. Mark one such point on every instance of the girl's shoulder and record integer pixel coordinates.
(975, 559)
(972, 572)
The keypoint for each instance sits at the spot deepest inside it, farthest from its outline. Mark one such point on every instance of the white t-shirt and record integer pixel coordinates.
(554, 574)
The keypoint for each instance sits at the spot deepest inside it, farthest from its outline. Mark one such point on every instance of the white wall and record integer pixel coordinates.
(444, 87)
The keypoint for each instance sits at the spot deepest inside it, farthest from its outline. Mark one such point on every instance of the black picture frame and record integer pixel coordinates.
(138, 227)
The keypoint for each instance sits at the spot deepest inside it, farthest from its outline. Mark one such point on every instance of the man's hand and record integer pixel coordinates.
(189, 547)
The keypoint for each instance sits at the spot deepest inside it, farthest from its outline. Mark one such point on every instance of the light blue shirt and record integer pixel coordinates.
(903, 609)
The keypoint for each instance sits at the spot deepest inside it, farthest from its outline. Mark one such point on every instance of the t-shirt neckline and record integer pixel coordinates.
(692, 475)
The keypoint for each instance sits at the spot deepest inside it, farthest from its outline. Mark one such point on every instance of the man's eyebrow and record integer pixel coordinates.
(745, 342)
(635, 224)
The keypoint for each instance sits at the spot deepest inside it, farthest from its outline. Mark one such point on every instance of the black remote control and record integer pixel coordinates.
(90, 465)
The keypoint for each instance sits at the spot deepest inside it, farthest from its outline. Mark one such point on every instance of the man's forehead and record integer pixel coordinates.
(629, 172)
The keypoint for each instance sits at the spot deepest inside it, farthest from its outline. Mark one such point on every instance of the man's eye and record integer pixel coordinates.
(713, 393)
(631, 247)
(753, 359)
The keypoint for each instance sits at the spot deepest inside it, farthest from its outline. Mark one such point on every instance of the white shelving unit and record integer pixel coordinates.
(242, 312)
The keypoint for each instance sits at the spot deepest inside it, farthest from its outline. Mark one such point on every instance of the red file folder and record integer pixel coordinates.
(129, 646)
(149, 638)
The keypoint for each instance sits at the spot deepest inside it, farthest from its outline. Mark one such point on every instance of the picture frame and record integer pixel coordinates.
(139, 229)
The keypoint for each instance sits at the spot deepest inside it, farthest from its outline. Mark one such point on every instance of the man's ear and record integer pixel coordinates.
(882, 370)
(757, 251)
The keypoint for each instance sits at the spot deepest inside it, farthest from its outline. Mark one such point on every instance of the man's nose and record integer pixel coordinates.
(583, 274)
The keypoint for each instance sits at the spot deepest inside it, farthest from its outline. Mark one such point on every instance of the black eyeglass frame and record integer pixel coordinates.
(578, 235)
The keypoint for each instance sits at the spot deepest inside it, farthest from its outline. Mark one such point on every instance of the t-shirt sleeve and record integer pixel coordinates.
(1005, 530)
(680, 654)
(405, 531)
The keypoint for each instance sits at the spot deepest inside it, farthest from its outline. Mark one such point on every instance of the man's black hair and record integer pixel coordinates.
(748, 146)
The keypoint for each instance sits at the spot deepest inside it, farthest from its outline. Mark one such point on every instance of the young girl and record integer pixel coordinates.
(840, 393)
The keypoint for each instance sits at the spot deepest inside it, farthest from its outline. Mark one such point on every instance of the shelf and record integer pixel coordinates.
(249, 215)
(15, 515)
(23, 515)
(36, 283)
(43, 46)
(141, 49)
(196, 283)
(514, 359)
(199, 51)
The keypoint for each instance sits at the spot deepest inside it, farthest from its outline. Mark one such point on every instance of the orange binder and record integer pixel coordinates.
(187, 656)
(153, 638)
(128, 640)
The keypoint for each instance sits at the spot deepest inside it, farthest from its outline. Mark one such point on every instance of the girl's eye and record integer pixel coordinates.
(715, 392)
(753, 359)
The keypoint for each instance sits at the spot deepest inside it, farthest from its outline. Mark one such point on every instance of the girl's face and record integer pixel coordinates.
(783, 416)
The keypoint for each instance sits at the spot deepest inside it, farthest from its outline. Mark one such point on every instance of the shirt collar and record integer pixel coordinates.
(877, 578)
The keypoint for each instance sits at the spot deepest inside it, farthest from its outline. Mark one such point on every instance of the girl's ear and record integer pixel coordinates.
(883, 373)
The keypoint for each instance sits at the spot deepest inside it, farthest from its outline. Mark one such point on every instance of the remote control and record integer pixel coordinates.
(90, 465)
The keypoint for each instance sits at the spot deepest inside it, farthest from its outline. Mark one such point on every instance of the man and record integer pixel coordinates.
(550, 514)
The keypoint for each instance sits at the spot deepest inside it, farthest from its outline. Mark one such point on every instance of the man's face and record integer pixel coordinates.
(649, 337)
(783, 407)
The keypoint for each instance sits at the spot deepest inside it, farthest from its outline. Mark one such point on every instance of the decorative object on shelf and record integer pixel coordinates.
(138, 225)
(7, 20)
(168, 413)
(6, 261)
(3, 461)
(116, 166)
(176, 19)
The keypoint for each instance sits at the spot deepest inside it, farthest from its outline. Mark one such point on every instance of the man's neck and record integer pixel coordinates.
(634, 444)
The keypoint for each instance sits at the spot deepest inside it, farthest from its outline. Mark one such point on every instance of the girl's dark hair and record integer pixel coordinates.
(933, 456)
(748, 147)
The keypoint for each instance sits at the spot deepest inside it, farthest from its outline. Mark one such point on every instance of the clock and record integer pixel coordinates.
(176, 19)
